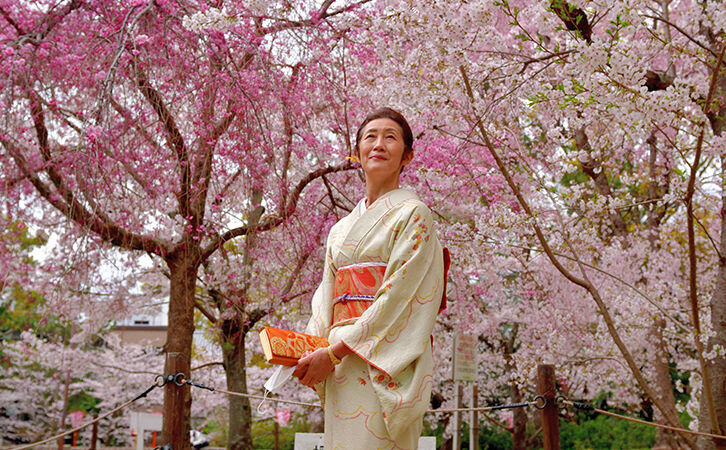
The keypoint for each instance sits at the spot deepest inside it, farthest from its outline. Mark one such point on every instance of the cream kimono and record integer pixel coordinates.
(380, 294)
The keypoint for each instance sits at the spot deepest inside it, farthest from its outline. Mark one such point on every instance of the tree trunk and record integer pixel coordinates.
(662, 385)
(717, 366)
(519, 415)
(233, 349)
(233, 332)
(178, 399)
(519, 422)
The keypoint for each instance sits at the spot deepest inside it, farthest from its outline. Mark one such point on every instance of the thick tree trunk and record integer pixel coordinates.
(178, 399)
(519, 422)
(240, 424)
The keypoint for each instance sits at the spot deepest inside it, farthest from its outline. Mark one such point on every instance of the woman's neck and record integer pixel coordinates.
(374, 191)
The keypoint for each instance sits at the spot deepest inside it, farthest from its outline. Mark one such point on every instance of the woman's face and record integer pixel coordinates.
(381, 150)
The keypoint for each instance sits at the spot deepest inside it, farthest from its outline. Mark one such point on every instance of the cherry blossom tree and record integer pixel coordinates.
(150, 130)
(601, 118)
(572, 153)
(38, 375)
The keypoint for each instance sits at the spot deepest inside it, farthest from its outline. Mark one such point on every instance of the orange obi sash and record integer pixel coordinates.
(355, 289)
(356, 286)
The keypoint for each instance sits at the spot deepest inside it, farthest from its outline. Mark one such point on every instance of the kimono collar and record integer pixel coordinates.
(390, 198)
(362, 219)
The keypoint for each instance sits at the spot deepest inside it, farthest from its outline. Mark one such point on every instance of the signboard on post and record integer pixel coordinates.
(76, 418)
(464, 368)
(465, 357)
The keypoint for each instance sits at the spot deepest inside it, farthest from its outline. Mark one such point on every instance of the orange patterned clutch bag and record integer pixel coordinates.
(285, 347)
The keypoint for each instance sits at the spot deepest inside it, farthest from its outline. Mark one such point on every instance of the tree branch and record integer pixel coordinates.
(174, 139)
(253, 220)
(600, 179)
(11, 21)
(203, 168)
(683, 32)
(54, 19)
(652, 302)
(574, 18)
(203, 309)
(253, 318)
(51, 20)
(209, 364)
(274, 220)
(129, 122)
(288, 147)
(544, 58)
(38, 117)
(692, 273)
(322, 13)
(73, 210)
(333, 200)
(108, 366)
(104, 92)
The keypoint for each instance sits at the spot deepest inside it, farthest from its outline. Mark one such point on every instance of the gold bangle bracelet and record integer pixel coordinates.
(333, 358)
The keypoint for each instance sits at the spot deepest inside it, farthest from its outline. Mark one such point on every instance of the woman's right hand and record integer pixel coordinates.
(314, 368)
(302, 366)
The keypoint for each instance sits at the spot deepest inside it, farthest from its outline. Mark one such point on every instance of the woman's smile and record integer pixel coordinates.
(382, 151)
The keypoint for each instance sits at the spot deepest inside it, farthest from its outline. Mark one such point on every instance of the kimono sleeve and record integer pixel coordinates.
(395, 330)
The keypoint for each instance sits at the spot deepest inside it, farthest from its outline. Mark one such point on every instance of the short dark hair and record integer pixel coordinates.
(388, 113)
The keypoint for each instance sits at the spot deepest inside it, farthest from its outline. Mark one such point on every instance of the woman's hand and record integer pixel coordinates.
(314, 367)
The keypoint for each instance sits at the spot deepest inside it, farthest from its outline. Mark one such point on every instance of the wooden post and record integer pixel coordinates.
(94, 432)
(174, 401)
(64, 414)
(474, 423)
(550, 416)
(277, 434)
(457, 417)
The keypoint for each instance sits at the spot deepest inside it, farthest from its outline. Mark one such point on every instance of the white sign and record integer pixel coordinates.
(146, 421)
(427, 443)
(314, 441)
(465, 357)
(309, 441)
(143, 421)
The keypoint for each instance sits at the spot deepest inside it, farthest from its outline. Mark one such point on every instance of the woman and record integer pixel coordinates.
(377, 303)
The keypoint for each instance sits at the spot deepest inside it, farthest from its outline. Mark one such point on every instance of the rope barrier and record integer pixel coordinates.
(180, 380)
(261, 397)
(586, 407)
(539, 401)
(99, 418)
